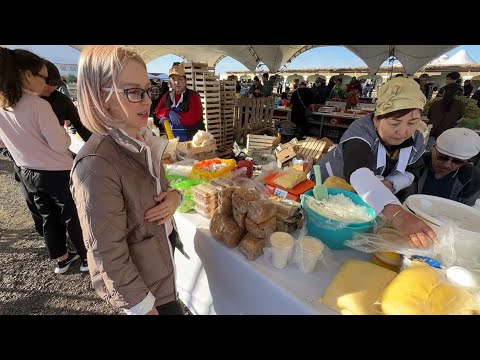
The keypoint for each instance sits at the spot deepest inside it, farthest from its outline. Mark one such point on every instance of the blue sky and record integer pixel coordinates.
(326, 56)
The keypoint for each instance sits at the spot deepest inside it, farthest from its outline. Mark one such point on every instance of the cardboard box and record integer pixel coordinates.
(286, 154)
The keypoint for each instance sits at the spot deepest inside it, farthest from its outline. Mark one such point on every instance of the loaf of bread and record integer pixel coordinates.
(225, 229)
(260, 211)
(251, 247)
(241, 198)
(262, 230)
(239, 217)
(225, 200)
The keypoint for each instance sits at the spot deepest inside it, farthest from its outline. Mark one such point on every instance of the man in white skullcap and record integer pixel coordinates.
(448, 172)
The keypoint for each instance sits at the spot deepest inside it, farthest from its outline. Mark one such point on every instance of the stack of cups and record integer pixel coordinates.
(310, 250)
(282, 244)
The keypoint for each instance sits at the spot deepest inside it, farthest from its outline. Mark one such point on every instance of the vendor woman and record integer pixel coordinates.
(380, 154)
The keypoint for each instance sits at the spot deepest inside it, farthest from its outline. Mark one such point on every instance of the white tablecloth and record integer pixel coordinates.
(219, 280)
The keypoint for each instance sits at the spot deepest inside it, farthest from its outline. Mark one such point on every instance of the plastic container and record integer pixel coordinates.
(388, 260)
(438, 211)
(333, 234)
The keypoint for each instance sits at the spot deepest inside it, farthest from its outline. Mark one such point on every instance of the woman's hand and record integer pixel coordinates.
(154, 311)
(168, 203)
(410, 226)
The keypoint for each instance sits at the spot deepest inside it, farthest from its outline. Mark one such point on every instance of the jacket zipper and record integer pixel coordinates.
(159, 189)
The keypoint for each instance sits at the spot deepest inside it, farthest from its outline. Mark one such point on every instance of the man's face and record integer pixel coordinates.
(443, 165)
(423, 81)
(449, 80)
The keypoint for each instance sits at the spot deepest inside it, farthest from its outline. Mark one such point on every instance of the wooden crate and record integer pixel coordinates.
(255, 142)
(252, 116)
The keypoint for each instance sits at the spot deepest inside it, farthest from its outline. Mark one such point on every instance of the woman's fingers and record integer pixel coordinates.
(161, 222)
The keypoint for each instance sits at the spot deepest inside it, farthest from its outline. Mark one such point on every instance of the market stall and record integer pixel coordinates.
(219, 280)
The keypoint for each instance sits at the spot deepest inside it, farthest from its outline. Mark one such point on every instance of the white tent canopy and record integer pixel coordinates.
(412, 57)
(460, 58)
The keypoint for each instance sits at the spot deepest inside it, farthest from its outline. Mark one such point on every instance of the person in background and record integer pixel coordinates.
(61, 104)
(64, 89)
(467, 88)
(385, 144)
(445, 113)
(267, 87)
(286, 94)
(476, 96)
(181, 106)
(319, 91)
(338, 91)
(39, 146)
(399, 75)
(125, 205)
(301, 99)
(452, 77)
(448, 173)
(425, 86)
(256, 88)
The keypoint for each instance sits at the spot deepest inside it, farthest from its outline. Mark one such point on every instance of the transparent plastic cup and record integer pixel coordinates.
(282, 244)
(310, 250)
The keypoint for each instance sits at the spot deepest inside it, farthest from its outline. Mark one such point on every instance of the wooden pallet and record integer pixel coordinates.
(311, 147)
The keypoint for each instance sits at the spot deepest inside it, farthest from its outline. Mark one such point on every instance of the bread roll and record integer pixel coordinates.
(262, 230)
(260, 211)
(225, 229)
(251, 247)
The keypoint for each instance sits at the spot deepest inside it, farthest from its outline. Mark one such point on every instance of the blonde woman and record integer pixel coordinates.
(124, 204)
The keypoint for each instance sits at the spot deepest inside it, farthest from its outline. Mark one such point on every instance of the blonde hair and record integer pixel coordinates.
(100, 67)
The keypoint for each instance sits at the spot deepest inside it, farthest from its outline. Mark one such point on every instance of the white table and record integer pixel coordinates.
(219, 280)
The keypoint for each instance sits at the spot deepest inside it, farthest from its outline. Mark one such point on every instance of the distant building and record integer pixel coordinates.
(67, 69)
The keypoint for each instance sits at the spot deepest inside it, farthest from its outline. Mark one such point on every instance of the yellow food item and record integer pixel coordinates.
(451, 300)
(388, 260)
(357, 287)
(419, 290)
(290, 179)
(338, 183)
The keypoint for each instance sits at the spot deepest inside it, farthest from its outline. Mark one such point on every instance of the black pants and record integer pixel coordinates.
(37, 218)
(171, 308)
(53, 200)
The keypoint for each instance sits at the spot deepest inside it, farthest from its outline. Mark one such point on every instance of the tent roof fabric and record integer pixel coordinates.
(412, 57)
(460, 58)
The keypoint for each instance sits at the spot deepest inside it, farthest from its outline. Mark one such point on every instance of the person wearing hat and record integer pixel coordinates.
(181, 106)
(319, 90)
(62, 105)
(379, 155)
(448, 172)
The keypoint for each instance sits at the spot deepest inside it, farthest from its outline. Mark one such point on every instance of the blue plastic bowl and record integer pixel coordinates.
(335, 238)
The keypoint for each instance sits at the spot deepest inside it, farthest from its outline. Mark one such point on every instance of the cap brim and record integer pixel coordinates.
(456, 156)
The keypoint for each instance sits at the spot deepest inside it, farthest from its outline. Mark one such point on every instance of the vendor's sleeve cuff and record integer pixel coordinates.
(400, 181)
(372, 190)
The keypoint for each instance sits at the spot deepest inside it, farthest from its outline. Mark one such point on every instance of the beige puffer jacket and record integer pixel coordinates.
(113, 187)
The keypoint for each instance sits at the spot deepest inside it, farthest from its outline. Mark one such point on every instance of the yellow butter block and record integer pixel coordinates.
(357, 287)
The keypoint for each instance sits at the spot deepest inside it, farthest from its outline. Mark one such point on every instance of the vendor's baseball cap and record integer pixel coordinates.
(54, 78)
(459, 143)
(177, 69)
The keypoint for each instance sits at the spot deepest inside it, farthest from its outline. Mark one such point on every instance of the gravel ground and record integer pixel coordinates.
(28, 284)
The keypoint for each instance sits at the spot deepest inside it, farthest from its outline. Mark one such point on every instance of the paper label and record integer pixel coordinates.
(280, 193)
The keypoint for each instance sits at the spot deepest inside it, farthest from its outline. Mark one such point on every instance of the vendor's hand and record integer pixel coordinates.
(154, 311)
(168, 203)
(414, 229)
(388, 184)
(174, 118)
